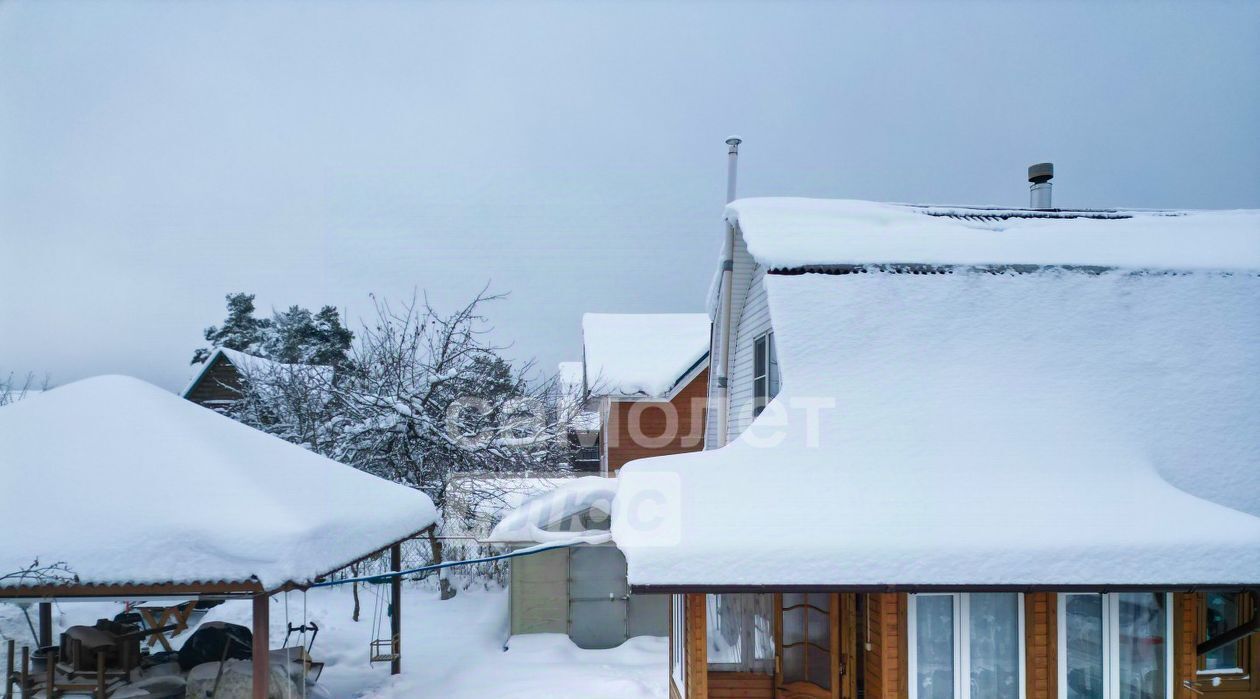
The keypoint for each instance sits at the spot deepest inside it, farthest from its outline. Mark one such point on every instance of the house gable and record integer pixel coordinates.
(218, 384)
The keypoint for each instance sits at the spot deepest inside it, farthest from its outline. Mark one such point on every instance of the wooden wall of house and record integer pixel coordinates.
(885, 670)
(1041, 636)
(1189, 632)
(887, 674)
(218, 384)
(686, 413)
(740, 685)
(1185, 627)
(697, 650)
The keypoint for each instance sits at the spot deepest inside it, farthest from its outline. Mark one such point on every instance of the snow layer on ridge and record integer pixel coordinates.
(792, 232)
(1055, 427)
(125, 482)
(530, 521)
(641, 354)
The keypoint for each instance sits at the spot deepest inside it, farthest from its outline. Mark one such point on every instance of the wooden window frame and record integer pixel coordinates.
(1111, 643)
(1219, 682)
(962, 644)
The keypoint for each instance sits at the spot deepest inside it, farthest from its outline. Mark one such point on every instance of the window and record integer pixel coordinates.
(1228, 671)
(1115, 646)
(740, 632)
(765, 372)
(678, 642)
(966, 646)
(1219, 612)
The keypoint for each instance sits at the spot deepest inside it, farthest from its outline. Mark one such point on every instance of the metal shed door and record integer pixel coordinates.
(597, 596)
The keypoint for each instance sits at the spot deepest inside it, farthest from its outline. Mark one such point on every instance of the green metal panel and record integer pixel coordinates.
(539, 591)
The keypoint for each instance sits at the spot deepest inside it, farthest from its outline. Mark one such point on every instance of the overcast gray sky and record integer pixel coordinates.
(155, 156)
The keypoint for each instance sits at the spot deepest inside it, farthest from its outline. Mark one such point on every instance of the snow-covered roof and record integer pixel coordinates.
(253, 366)
(475, 503)
(536, 519)
(570, 378)
(642, 354)
(980, 427)
(787, 232)
(127, 483)
(572, 387)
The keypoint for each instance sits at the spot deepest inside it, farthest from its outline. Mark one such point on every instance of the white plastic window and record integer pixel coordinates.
(1115, 646)
(678, 646)
(765, 372)
(966, 646)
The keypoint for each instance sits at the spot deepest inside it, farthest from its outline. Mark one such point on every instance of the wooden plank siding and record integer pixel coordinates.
(1041, 637)
(740, 685)
(696, 658)
(885, 670)
(218, 384)
(1193, 616)
(641, 429)
(1185, 613)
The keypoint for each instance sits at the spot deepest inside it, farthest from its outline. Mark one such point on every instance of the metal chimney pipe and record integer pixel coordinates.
(720, 356)
(732, 160)
(1040, 190)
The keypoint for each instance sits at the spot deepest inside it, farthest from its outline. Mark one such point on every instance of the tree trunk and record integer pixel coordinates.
(444, 585)
(354, 588)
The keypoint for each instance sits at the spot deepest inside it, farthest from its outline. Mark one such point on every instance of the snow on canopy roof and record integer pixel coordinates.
(787, 232)
(530, 521)
(127, 483)
(1052, 428)
(642, 354)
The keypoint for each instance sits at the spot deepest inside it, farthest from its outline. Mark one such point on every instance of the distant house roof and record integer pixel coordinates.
(981, 427)
(258, 367)
(642, 354)
(786, 233)
(571, 384)
(129, 484)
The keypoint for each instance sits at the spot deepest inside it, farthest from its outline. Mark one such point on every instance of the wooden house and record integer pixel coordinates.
(966, 453)
(219, 381)
(647, 376)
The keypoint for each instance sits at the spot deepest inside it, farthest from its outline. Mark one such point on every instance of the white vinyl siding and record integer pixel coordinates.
(754, 322)
(741, 281)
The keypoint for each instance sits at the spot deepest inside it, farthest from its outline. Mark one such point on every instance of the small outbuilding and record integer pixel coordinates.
(578, 588)
(144, 495)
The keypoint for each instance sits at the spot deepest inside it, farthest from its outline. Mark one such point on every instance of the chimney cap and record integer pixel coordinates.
(1041, 172)
(733, 140)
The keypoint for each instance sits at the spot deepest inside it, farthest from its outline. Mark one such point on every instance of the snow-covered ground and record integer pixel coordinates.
(451, 649)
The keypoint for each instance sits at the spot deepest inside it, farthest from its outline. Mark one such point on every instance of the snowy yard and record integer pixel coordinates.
(451, 649)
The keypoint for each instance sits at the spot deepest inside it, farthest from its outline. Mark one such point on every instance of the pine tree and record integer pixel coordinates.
(241, 330)
(292, 336)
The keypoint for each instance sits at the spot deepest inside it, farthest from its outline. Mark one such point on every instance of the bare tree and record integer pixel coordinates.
(429, 398)
(422, 398)
(13, 389)
(40, 574)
